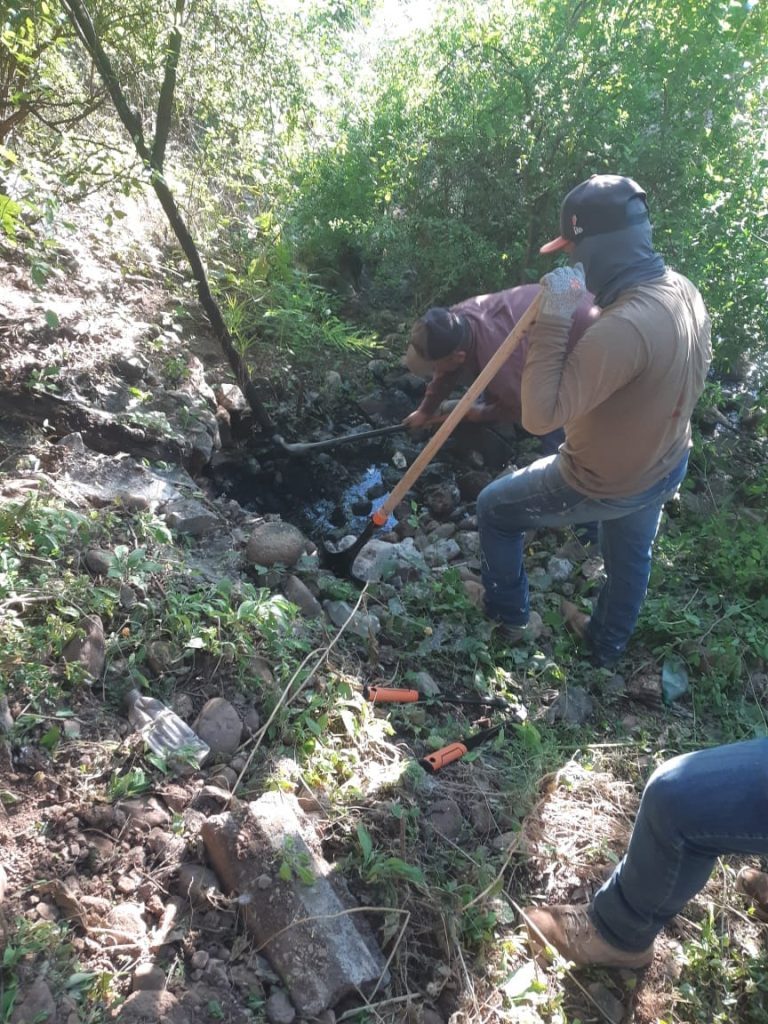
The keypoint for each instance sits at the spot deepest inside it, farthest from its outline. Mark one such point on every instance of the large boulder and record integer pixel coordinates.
(275, 544)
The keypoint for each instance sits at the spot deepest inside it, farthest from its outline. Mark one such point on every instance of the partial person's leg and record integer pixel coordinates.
(626, 544)
(532, 497)
(694, 808)
(549, 445)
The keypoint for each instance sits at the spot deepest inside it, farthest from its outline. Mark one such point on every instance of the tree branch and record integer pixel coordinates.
(81, 19)
(167, 90)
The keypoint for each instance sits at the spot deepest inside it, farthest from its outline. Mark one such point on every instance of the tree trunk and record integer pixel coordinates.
(81, 20)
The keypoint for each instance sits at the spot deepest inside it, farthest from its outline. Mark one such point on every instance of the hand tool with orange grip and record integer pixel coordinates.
(432, 763)
(393, 695)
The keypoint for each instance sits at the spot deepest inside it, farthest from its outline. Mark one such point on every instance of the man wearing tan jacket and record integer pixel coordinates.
(624, 396)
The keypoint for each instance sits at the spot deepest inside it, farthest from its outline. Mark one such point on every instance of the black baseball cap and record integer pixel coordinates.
(599, 205)
(436, 335)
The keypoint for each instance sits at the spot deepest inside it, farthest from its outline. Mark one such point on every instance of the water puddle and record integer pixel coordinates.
(325, 513)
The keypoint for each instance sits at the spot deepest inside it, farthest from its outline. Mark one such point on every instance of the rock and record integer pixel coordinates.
(186, 515)
(445, 817)
(104, 480)
(470, 484)
(231, 398)
(378, 367)
(298, 593)
(469, 542)
(220, 726)
(127, 598)
(573, 706)
(87, 646)
(363, 624)
(99, 560)
(425, 684)
(646, 688)
(279, 1009)
(593, 569)
(144, 810)
(333, 381)
(559, 568)
(252, 721)
(535, 626)
(442, 499)
(148, 978)
(611, 1007)
(150, 1007)
(258, 668)
(197, 885)
(379, 560)
(441, 552)
(124, 925)
(36, 1005)
(275, 544)
(321, 953)
(199, 959)
(130, 368)
(160, 657)
(475, 592)
(481, 817)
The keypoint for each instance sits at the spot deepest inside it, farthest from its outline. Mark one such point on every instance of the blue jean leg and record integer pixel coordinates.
(548, 445)
(694, 809)
(538, 496)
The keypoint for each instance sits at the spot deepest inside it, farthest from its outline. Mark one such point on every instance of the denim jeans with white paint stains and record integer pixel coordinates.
(539, 496)
(694, 809)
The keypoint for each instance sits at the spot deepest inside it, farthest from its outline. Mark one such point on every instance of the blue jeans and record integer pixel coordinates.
(548, 445)
(694, 808)
(539, 496)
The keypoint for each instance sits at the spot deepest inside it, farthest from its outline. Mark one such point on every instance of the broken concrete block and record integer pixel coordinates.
(321, 951)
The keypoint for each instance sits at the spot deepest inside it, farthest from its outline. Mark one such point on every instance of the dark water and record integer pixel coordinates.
(323, 513)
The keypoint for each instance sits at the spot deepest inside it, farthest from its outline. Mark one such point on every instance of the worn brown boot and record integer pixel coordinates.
(571, 931)
(754, 885)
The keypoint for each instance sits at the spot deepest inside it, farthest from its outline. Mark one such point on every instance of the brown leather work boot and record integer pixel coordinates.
(571, 931)
(754, 885)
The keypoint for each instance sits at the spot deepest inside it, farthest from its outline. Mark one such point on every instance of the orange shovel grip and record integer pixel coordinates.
(446, 755)
(387, 695)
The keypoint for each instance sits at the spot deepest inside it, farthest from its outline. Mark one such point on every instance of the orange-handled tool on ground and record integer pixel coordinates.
(341, 561)
(432, 763)
(393, 695)
(456, 750)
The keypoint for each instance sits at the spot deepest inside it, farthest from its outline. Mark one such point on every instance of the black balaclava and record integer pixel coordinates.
(618, 260)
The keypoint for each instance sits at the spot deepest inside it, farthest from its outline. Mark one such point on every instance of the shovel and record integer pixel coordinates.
(331, 442)
(340, 562)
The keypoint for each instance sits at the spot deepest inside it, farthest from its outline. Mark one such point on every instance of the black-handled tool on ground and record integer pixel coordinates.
(432, 763)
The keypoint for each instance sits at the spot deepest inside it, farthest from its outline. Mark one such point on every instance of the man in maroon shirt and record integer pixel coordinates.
(453, 345)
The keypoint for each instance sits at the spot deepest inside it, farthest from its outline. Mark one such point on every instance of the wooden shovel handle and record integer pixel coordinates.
(441, 435)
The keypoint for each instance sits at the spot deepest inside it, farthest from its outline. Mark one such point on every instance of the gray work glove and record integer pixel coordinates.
(562, 291)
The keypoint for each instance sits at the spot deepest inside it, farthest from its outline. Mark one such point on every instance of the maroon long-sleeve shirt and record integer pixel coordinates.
(491, 318)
